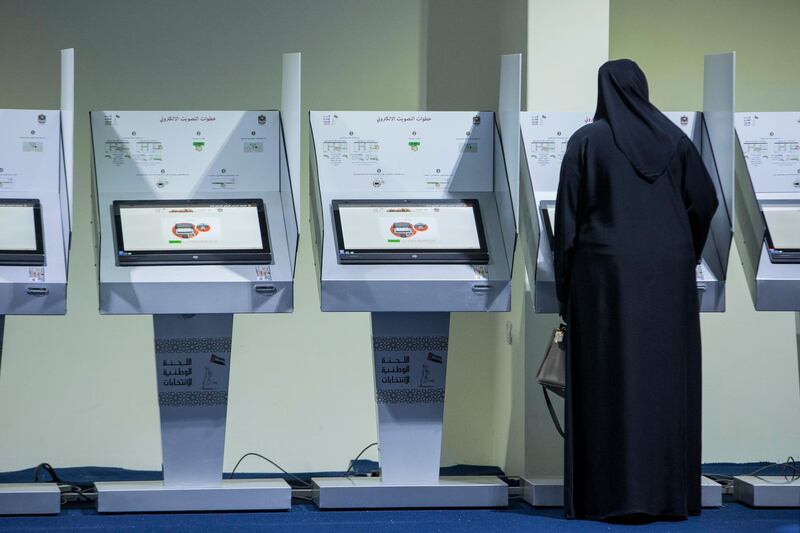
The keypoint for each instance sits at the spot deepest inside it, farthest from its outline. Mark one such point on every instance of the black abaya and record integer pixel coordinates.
(633, 211)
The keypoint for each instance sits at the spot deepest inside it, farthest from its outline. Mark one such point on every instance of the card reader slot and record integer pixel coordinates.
(266, 290)
(38, 291)
(481, 288)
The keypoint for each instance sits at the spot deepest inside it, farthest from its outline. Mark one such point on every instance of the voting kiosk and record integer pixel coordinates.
(768, 239)
(197, 218)
(412, 219)
(544, 138)
(36, 156)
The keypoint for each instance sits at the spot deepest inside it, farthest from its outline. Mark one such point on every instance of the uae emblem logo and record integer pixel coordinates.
(42, 119)
(262, 119)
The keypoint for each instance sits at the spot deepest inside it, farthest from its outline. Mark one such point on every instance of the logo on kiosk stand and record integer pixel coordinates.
(262, 119)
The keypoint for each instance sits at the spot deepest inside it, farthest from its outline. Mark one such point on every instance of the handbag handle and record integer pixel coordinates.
(552, 410)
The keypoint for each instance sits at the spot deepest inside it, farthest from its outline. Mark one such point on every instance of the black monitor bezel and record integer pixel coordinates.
(192, 257)
(548, 227)
(26, 257)
(451, 256)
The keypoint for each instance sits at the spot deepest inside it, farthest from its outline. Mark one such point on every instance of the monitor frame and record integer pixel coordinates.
(410, 256)
(26, 257)
(191, 257)
(548, 227)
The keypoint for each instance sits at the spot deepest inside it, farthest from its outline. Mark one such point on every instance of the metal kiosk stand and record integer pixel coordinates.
(768, 239)
(544, 138)
(36, 155)
(413, 219)
(197, 213)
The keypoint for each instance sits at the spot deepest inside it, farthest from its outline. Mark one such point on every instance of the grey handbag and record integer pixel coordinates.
(552, 374)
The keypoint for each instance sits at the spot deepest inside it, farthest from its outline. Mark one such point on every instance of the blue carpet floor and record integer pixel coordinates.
(303, 516)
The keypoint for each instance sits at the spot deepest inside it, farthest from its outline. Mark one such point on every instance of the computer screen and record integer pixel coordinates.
(21, 233)
(191, 231)
(783, 226)
(410, 231)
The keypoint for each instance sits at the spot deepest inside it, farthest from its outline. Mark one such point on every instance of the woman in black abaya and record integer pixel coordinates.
(634, 207)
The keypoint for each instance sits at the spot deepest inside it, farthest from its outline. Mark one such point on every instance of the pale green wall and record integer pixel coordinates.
(301, 384)
(751, 393)
(83, 393)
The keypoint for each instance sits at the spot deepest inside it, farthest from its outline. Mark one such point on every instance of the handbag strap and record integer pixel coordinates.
(552, 410)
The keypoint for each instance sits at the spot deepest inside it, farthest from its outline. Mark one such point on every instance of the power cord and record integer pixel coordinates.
(353, 462)
(273, 463)
(789, 470)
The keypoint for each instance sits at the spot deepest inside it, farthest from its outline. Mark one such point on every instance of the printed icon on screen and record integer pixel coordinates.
(198, 145)
(42, 119)
(184, 230)
(404, 230)
(262, 119)
(414, 146)
(476, 120)
(217, 360)
(684, 120)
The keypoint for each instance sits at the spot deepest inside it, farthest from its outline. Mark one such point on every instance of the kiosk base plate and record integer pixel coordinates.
(230, 495)
(767, 491)
(29, 498)
(372, 493)
(548, 491)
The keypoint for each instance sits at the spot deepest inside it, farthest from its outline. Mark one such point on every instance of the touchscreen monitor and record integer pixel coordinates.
(783, 232)
(410, 231)
(21, 241)
(199, 232)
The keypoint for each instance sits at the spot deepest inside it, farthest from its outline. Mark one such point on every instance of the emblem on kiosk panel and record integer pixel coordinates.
(262, 119)
(684, 120)
(42, 118)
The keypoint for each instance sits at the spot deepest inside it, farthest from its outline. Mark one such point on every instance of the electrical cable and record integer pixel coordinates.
(270, 461)
(790, 464)
(353, 462)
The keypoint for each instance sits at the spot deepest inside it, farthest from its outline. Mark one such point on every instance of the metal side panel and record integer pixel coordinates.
(196, 297)
(230, 495)
(416, 295)
(33, 298)
(372, 493)
(548, 491)
(767, 491)
(29, 499)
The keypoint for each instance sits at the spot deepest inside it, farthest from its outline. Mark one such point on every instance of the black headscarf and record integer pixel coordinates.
(646, 137)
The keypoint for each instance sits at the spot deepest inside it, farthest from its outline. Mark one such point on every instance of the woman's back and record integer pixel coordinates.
(620, 213)
(633, 210)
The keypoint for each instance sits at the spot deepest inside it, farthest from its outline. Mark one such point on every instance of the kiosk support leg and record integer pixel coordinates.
(193, 358)
(410, 361)
(27, 498)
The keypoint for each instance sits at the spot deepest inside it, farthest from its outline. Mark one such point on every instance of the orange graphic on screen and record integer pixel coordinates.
(406, 230)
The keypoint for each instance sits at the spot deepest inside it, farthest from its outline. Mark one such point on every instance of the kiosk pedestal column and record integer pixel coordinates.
(410, 362)
(193, 357)
(27, 498)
